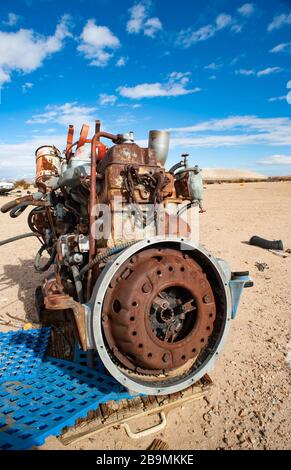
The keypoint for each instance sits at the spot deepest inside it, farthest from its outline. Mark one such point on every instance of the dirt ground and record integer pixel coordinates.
(248, 407)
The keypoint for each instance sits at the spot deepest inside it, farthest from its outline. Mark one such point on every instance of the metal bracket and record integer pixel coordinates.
(239, 281)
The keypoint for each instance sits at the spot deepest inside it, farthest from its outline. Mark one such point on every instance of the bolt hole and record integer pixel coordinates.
(210, 315)
(159, 273)
(134, 304)
(183, 357)
(132, 318)
(202, 340)
(116, 306)
(208, 328)
(140, 345)
(182, 269)
(134, 333)
(170, 268)
(150, 355)
(194, 350)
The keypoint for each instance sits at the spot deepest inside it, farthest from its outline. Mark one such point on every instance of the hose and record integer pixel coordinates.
(37, 266)
(186, 208)
(18, 237)
(267, 244)
(176, 167)
(16, 211)
(30, 218)
(34, 199)
(78, 283)
(102, 256)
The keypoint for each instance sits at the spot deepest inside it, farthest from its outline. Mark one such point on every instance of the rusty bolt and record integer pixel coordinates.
(146, 288)
(206, 299)
(166, 357)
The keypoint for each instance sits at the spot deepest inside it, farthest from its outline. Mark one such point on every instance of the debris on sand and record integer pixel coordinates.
(261, 266)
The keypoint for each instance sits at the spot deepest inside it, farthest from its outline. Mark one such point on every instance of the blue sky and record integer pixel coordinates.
(216, 73)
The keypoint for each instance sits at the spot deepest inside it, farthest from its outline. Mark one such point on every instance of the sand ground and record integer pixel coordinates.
(248, 407)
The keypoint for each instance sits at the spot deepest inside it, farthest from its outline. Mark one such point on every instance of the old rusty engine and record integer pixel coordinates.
(119, 239)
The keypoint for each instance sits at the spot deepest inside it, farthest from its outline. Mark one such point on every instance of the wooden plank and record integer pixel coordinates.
(127, 410)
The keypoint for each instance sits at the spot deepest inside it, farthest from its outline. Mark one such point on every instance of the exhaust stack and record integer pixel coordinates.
(159, 141)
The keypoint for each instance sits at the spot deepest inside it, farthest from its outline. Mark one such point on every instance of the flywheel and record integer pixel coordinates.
(158, 311)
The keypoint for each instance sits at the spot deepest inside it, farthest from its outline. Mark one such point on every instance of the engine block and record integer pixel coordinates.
(121, 238)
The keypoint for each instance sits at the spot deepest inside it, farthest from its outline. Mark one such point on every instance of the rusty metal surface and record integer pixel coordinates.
(93, 197)
(56, 299)
(158, 312)
(48, 166)
(70, 140)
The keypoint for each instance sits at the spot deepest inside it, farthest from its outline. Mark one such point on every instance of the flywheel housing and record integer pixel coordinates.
(160, 311)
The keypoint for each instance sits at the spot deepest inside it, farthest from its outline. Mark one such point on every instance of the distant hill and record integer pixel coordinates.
(230, 174)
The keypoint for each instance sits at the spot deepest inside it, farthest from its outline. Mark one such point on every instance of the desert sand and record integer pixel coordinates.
(248, 407)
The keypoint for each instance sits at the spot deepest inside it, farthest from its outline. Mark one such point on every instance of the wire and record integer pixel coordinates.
(103, 256)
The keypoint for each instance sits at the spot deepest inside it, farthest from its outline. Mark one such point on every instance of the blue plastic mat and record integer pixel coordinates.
(39, 397)
(83, 358)
(22, 352)
(34, 409)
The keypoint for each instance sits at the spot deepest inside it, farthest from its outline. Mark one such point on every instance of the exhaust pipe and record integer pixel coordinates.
(159, 141)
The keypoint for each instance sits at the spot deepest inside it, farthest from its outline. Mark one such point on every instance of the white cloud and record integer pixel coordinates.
(283, 47)
(213, 66)
(26, 86)
(12, 19)
(176, 85)
(236, 28)
(141, 22)
(230, 132)
(212, 77)
(246, 72)
(137, 17)
(105, 99)
(98, 43)
(276, 160)
(260, 73)
(121, 62)
(279, 21)
(234, 131)
(247, 9)
(277, 98)
(187, 37)
(152, 27)
(223, 20)
(268, 71)
(24, 51)
(65, 114)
